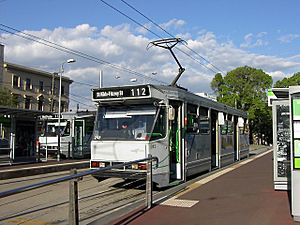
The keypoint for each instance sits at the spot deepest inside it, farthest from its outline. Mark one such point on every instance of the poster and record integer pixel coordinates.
(283, 140)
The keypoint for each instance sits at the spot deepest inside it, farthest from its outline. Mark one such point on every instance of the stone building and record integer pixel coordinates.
(36, 93)
(34, 89)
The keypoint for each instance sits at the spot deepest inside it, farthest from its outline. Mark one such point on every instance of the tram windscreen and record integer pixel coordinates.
(50, 129)
(130, 123)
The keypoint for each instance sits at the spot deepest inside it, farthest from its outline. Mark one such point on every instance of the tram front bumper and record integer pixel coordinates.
(134, 171)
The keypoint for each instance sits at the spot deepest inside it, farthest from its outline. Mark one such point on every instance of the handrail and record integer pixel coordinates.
(71, 177)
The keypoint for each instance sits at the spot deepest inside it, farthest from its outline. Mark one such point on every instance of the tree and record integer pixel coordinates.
(6, 98)
(290, 81)
(246, 88)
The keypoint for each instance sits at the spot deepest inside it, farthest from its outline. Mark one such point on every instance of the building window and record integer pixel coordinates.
(16, 101)
(41, 86)
(16, 80)
(63, 106)
(28, 84)
(40, 103)
(27, 102)
(52, 105)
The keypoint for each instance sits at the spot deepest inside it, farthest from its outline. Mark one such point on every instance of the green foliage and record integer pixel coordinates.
(6, 99)
(246, 88)
(286, 82)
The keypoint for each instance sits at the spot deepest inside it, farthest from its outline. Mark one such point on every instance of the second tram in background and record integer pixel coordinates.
(188, 133)
(76, 130)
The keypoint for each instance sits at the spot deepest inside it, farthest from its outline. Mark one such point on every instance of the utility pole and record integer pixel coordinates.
(100, 79)
(52, 92)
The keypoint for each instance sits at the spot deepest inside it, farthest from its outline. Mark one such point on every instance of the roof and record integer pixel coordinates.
(32, 70)
(4, 110)
(281, 92)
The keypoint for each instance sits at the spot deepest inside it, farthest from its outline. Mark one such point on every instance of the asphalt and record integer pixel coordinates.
(240, 194)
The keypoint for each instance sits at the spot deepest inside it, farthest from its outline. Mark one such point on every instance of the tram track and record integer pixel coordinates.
(51, 206)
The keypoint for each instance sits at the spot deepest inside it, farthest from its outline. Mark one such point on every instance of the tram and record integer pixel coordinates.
(76, 130)
(188, 133)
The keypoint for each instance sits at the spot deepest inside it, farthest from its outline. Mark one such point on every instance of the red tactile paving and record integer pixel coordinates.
(244, 196)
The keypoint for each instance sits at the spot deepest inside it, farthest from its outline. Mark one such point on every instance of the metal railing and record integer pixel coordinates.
(73, 185)
(5, 156)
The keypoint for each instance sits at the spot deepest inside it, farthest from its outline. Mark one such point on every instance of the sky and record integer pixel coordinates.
(219, 36)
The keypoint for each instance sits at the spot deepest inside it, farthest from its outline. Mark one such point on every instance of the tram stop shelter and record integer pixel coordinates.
(18, 134)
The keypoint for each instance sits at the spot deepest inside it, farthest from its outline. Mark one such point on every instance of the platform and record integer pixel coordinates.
(30, 169)
(240, 194)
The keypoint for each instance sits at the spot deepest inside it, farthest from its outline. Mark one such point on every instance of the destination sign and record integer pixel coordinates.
(122, 92)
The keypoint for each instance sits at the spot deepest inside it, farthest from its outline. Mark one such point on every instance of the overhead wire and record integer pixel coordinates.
(171, 35)
(56, 46)
(78, 96)
(9, 84)
(92, 106)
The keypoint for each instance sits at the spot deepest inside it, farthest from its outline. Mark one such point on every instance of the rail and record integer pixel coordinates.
(73, 186)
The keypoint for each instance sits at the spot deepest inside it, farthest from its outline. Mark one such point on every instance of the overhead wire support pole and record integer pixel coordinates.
(169, 43)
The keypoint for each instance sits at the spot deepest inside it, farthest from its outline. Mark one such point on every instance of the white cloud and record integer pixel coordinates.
(277, 75)
(121, 46)
(252, 41)
(144, 30)
(289, 38)
(173, 24)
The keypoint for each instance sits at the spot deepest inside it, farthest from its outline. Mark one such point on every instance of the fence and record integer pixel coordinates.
(5, 156)
(73, 185)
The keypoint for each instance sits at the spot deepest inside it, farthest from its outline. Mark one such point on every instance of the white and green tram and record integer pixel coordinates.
(188, 133)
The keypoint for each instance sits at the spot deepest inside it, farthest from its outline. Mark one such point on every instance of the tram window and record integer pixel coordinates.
(224, 128)
(66, 130)
(204, 121)
(142, 123)
(159, 130)
(192, 119)
(229, 127)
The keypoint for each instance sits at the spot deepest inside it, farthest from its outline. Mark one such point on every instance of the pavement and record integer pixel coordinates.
(242, 193)
(239, 194)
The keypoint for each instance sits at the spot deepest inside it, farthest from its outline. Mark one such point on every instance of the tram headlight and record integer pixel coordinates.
(139, 166)
(101, 164)
(135, 166)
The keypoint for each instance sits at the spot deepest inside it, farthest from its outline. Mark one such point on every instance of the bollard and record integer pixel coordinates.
(149, 183)
(73, 200)
(39, 152)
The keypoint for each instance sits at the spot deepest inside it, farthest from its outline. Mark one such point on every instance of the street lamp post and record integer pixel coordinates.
(59, 106)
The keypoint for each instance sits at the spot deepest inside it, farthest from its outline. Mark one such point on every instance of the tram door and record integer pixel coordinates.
(78, 137)
(235, 139)
(214, 136)
(175, 143)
